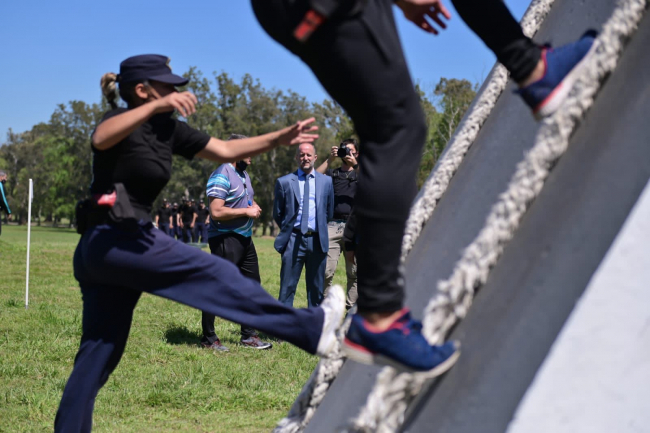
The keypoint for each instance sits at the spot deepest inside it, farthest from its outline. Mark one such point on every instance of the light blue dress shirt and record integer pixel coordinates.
(311, 225)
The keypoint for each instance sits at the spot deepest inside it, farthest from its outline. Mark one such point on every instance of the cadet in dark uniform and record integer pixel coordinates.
(201, 224)
(164, 218)
(187, 221)
(120, 254)
(175, 230)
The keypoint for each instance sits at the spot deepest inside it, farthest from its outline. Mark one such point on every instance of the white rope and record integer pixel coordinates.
(326, 370)
(386, 404)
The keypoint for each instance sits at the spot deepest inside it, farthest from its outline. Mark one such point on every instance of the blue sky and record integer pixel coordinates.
(56, 51)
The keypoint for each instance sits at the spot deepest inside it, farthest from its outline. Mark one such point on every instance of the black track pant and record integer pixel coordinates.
(360, 63)
(239, 250)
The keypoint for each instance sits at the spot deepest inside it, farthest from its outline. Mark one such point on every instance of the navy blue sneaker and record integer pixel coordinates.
(562, 66)
(401, 346)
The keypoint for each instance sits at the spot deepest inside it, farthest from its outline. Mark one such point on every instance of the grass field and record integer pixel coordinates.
(165, 381)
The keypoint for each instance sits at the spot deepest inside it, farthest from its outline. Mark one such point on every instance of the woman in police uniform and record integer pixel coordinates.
(121, 255)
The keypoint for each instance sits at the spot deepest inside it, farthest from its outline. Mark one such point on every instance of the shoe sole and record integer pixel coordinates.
(328, 335)
(256, 347)
(553, 101)
(369, 358)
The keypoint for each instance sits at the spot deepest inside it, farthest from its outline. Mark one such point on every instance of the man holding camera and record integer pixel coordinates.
(345, 183)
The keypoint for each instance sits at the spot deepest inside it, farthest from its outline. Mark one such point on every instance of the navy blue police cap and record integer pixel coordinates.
(149, 67)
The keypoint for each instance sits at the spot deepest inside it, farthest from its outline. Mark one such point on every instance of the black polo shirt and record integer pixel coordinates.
(345, 188)
(202, 214)
(164, 213)
(143, 160)
(187, 214)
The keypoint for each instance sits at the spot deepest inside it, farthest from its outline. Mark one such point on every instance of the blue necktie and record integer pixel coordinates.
(304, 222)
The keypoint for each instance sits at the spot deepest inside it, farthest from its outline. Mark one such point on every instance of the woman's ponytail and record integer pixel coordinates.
(109, 88)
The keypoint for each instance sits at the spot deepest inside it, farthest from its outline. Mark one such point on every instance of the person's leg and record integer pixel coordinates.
(107, 315)
(210, 338)
(237, 250)
(250, 268)
(315, 271)
(335, 234)
(293, 259)
(195, 234)
(351, 274)
(494, 24)
(146, 260)
(544, 75)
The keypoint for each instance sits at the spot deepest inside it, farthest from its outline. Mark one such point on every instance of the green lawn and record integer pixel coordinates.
(165, 381)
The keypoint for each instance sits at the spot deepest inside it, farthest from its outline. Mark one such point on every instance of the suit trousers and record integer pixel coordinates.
(335, 230)
(114, 264)
(302, 251)
(359, 61)
(239, 250)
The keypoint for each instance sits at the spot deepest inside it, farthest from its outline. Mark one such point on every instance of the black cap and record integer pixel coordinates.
(149, 67)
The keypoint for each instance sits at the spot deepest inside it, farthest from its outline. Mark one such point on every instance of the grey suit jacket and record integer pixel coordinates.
(286, 206)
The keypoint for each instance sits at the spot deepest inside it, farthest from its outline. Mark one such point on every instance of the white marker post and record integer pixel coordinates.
(29, 239)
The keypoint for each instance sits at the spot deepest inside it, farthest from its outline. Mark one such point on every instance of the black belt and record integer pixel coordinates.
(307, 235)
(341, 216)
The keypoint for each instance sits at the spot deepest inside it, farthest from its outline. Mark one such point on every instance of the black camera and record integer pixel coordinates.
(343, 151)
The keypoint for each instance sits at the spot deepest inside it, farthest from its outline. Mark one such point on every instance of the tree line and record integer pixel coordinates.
(57, 155)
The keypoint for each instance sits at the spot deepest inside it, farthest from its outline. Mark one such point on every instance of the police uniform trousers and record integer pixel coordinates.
(188, 234)
(164, 228)
(115, 264)
(201, 233)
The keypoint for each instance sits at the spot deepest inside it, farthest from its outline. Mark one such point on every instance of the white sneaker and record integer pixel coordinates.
(334, 308)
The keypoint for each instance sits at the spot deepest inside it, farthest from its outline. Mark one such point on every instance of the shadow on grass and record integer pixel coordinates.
(181, 335)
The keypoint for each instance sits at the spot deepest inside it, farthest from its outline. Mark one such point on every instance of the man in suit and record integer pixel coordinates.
(304, 203)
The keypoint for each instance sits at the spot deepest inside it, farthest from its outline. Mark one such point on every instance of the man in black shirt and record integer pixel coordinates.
(201, 224)
(164, 218)
(345, 183)
(188, 216)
